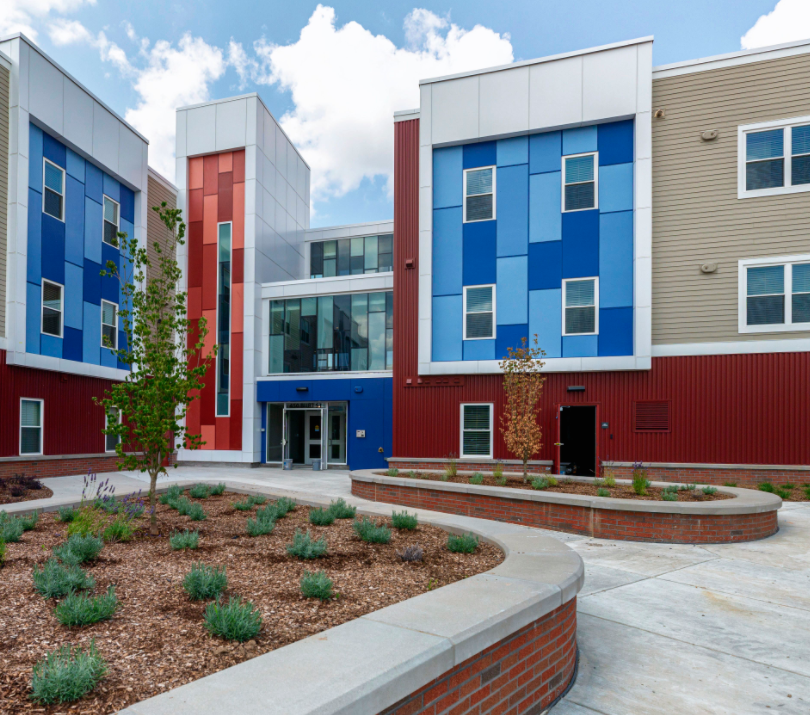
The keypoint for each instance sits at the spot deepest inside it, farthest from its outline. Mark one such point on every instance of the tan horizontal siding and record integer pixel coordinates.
(155, 228)
(4, 149)
(697, 217)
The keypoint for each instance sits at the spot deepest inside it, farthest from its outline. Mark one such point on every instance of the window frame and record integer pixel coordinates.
(41, 426)
(42, 308)
(595, 155)
(595, 279)
(230, 324)
(494, 194)
(106, 425)
(64, 186)
(104, 220)
(787, 142)
(102, 323)
(462, 430)
(742, 297)
(494, 311)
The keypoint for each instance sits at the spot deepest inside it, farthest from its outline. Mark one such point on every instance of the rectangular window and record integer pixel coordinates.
(52, 312)
(774, 158)
(53, 190)
(31, 412)
(109, 325)
(111, 222)
(774, 294)
(479, 194)
(111, 440)
(479, 312)
(764, 159)
(476, 431)
(581, 306)
(580, 178)
(223, 407)
(352, 256)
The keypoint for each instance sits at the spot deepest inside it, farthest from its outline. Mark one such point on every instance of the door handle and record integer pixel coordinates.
(558, 444)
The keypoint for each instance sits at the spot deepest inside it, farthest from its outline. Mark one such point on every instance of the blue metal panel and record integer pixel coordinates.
(33, 317)
(615, 331)
(615, 188)
(92, 283)
(129, 229)
(74, 289)
(479, 349)
(388, 420)
(510, 336)
(72, 344)
(481, 154)
(92, 229)
(74, 221)
(616, 259)
(122, 345)
(128, 204)
(545, 265)
(512, 210)
(545, 210)
(53, 249)
(54, 151)
(267, 391)
(580, 345)
(91, 331)
(330, 390)
(35, 159)
(448, 176)
(447, 251)
(579, 140)
(75, 166)
(93, 182)
(545, 152)
(112, 188)
(513, 151)
(34, 267)
(447, 328)
(479, 253)
(545, 320)
(50, 345)
(108, 358)
(367, 415)
(109, 284)
(369, 388)
(512, 295)
(287, 391)
(615, 142)
(580, 244)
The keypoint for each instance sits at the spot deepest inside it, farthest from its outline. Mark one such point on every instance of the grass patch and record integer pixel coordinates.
(55, 580)
(404, 520)
(341, 510)
(181, 540)
(462, 544)
(729, 484)
(79, 549)
(303, 546)
(369, 532)
(67, 674)
(204, 582)
(766, 487)
(321, 517)
(316, 585)
(81, 610)
(237, 620)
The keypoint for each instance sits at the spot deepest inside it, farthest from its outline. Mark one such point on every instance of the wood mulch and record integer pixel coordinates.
(620, 491)
(157, 640)
(13, 490)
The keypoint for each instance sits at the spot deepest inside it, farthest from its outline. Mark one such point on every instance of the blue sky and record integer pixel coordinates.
(339, 120)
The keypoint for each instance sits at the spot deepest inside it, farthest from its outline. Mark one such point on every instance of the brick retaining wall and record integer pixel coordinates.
(466, 466)
(520, 675)
(739, 476)
(69, 466)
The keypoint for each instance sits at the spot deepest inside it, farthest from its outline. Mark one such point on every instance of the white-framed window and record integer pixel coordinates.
(109, 325)
(53, 190)
(112, 213)
(774, 294)
(479, 194)
(223, 327)
(479, 312)
(32, 414)
(52, 308)
(580, 178)
(773, 158)
(111, 440)
(476, 431)
(580, 306)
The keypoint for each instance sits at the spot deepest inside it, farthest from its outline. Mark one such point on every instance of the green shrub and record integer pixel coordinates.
(404, 520)
(444, 476)
(204, 582)
(477, 478)
(599, 482)
(708, 491)
(304, 546)
(766, 487)
(451, 470)
(316, 585)
(257, 499)
(284, 506)
(245, 505)
(669, 496)
(107, 504)
(2, 553)
(498, 471)
(609, 480)
(67, 674)
(552, 481)
(11, 528)
(260, 527)
(673, 488)
(368, 531)
(119, 530)
(462, 544)
(413, 475)
(238, 620)
(67, 514)
(78, 609)
(539, 483)
(172, 494)
(269, 513)
(79, 549)
(687, 487)
(183, 505)
(341, 510)
(88, 522)
(184, 540)
(729, 484)
(30, 522)
(200, 491)
(196, 512)
(783, 493)
(788, 486)
(321, 517)
(601, 492)
(640, 481)
(807, 492)
(501, 480)
(55, 580)
(218, 490)
(392, 472)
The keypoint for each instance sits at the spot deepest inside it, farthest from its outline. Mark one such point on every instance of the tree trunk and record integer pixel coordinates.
(525, 470)
(153, 528)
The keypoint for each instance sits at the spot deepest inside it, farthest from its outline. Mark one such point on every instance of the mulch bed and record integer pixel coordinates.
(157, 640)
(621, 491)
(16, 489)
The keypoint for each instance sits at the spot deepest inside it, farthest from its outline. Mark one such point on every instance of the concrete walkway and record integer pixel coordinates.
(662, 629)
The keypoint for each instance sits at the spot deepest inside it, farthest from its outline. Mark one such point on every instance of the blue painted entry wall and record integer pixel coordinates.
(370, 408)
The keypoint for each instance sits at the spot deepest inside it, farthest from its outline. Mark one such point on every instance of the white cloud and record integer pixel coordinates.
(66, 32)
(787, 22)
(22, 15)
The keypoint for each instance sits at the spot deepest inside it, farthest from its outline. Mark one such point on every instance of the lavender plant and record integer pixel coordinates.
(67, 674)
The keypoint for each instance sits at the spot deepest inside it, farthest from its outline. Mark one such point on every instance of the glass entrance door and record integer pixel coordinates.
(313, 441)
(336, 433)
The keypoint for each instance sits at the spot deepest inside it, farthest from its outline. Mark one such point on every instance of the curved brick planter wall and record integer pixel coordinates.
(751, 516)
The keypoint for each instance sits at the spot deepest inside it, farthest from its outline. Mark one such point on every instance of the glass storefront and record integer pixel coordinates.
(352, 256)
(306, 431)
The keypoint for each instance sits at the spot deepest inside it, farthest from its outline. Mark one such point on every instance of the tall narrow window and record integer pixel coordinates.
(479, 312)
(766, 295)
(109, 325)
(224, 320)
(580, 306)
(476, 431)
(52, 312)
(111, 222)
(479, 194)
(31, 426)
(111, 440)
(801, 293)
(764, 159)
(53, 190)
(800, 155)
(579, 180)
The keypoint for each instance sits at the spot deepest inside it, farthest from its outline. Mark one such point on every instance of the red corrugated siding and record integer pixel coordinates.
(725, 409)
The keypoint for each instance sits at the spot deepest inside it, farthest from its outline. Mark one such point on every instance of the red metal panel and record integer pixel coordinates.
(210, 174)
(209, 281)
(236, 424)
(195, 242)
(223, 438)
(225, 193)
(195, 205)
(239, 166)
(237, 368)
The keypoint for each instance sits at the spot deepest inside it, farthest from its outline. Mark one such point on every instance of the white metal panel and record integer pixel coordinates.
(609, 84)
(253, 123)
(292, 165)
(455, 110)
(130, 156)
(180, 169)
(180, 135)
(231, 125)
(300, 183)
(504, 102)
(268, 178)
(269, 129)
(78, 116)
(253, 157)
(201, 130)
(290, 204)
(425, 115)
(268, 207)
(280, 191)
(281, 153)
(252, 194)
(644, 77)
(105, 137)
(555, 93)
(46, 87)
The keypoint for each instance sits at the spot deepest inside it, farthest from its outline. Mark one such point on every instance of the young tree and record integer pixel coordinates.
(523, 386)
(165, 372)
